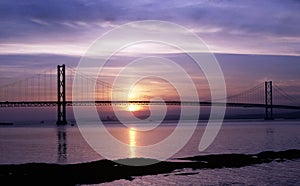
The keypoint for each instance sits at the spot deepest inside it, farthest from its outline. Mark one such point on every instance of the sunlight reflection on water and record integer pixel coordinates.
(132, 142)
(66, 145)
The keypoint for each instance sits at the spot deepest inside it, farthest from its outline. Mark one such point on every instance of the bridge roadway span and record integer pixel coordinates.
(107, 103)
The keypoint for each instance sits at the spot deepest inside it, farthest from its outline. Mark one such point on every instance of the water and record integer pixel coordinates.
(51, 144)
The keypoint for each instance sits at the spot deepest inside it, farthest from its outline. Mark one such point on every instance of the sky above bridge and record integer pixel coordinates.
(69, 26)
(253, 41)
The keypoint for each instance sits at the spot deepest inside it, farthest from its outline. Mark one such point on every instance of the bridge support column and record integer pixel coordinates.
(61, 95)
(268, 101)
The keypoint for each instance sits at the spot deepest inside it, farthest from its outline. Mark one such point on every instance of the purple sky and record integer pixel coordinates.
(253, 40)
(69, 26)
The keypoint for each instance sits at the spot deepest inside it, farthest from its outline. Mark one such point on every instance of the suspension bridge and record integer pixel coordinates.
(50, 89)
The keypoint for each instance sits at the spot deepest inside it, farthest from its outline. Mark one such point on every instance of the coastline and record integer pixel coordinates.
(105, 170)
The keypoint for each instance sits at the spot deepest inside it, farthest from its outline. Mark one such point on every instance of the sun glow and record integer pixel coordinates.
(133, 107)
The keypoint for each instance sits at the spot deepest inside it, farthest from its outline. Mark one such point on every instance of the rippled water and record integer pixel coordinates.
(51, 144)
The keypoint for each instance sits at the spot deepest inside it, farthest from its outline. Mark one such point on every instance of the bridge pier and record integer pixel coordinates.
(268, 101)
(61, 95)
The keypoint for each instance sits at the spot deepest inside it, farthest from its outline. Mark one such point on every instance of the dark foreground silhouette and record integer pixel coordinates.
(106, 171)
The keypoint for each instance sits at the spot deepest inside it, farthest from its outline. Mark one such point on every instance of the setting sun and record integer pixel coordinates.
(133, 108)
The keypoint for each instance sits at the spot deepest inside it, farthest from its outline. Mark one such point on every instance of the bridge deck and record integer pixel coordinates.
(105, 103)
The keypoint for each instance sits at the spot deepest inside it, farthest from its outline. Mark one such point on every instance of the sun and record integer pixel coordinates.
(133, 108)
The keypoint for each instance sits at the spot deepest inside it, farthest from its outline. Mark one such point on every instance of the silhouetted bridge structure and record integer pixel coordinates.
(42, 87)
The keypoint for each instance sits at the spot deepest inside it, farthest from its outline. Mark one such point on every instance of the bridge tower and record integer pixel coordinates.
(61, 95)
(268, 101)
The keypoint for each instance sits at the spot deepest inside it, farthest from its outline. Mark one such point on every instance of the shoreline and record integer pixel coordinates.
(106, 171)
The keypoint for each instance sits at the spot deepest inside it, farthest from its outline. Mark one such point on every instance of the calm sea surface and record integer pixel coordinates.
(48, 143)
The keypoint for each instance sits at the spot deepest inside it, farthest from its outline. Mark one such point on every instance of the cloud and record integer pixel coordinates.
(22, 21)
(240, 24)
(60, 10)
